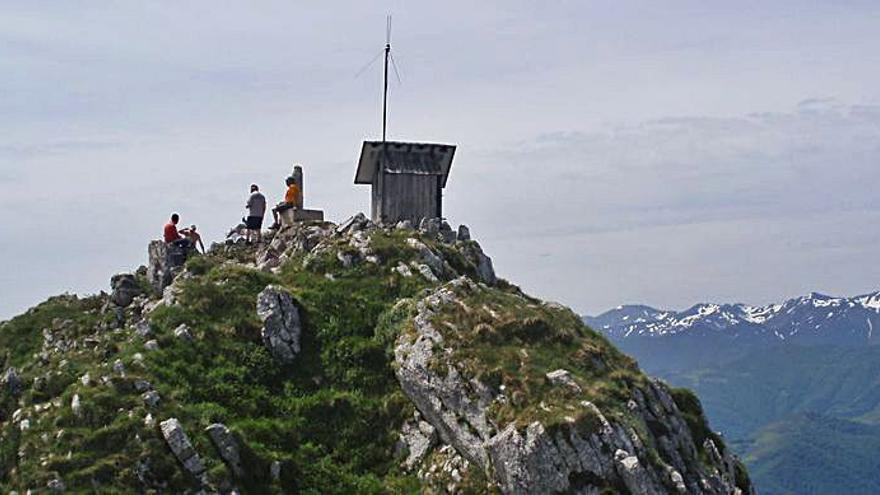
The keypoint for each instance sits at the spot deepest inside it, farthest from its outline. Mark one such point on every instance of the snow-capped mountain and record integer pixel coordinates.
(808, 318)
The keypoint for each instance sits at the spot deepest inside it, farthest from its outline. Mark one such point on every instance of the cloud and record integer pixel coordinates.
(18, 151)
(681, 170)
(677, 210)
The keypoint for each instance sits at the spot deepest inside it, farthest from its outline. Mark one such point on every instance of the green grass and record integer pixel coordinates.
(510, 342)
(331, 418)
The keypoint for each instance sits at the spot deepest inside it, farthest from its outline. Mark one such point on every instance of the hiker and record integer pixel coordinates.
(194, 237)
(289, 202)
(172, 236)
(256, 206)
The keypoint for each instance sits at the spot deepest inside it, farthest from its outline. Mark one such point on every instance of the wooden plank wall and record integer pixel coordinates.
(408, 197)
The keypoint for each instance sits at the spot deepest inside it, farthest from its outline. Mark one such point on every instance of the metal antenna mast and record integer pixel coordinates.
(385, 92)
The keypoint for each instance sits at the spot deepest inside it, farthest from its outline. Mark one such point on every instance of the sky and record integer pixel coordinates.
(609, 152)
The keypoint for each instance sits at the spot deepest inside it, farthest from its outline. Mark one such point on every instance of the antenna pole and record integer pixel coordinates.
(385, 91)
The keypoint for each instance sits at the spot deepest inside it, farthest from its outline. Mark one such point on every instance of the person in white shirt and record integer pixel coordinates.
(256, 206)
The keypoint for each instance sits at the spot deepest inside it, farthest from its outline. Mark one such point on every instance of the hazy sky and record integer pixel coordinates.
(609, 152)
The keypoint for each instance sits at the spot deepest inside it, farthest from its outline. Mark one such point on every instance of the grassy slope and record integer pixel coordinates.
(331, 418)
(760, 402)
(818, 455)
(776, 383)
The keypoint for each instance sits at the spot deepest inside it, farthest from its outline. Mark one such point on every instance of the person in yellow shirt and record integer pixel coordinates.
(290, 201)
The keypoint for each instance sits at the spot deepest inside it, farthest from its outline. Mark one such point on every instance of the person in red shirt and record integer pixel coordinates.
(172, 236)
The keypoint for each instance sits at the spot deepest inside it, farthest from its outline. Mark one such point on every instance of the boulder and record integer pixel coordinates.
(11, 381)
(353, 224)
(636, 478)
(281, 323)
(55, 485)
(482, 263)
(142, 385)
(464, 233)
(143, 328)
(428, 256)
(182, 332)
(119, 367)
(76, 405)
(563, 378)
(182, 448)
(227, 447)
(430, 227)
(416, 439)
(151, 398)
(165, 261)
(124, 288)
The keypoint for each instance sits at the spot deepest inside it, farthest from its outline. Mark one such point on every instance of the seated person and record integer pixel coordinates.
(290, 201)
(172, 236)
(194, 238)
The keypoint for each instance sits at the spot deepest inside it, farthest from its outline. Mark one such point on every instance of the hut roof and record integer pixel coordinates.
(404, 158)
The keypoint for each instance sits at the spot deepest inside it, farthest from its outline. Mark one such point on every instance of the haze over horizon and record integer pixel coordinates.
(607, 154)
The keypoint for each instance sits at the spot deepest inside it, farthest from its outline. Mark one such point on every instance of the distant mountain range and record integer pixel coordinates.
(794, 386)
(807, 318)
(708, 333)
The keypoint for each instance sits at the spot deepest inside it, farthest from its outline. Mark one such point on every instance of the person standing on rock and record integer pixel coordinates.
(290, 201)
(172, 236)
(256, 206)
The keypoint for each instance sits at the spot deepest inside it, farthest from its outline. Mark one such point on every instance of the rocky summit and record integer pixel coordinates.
(350, 358)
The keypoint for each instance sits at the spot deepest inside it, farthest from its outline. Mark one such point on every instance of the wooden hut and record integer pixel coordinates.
(407, 179)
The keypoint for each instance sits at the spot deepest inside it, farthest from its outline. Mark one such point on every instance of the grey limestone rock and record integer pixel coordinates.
(227, 447)
(151, 398)
(567, 458)
(142, 385)
(55, 485)
(353, 224)
(119, 367)
(143, 328)
(634, 475)
(426, 272)
(182, 332)
(444, 400)
(430, 227)
(76, 405)
(485, 271)
(12, 382)
(165, 261)
(417, 437)
(446, 233)
(181, 447)
(281, 323)
(428, 256)
(124, 289)
(563, 378)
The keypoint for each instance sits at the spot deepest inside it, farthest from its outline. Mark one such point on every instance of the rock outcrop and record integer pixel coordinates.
(182, 448)
(165, 261)
(11, 382)
(576, 447)
(281, 323)
(227, 447)
(124, 288)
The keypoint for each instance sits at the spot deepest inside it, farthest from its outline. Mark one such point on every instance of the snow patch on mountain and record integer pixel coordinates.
(809, 315)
